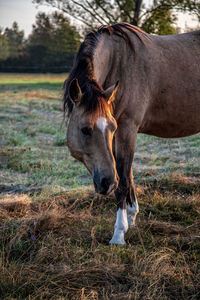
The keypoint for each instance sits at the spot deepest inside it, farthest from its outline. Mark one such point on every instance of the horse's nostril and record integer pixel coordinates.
(105, 183)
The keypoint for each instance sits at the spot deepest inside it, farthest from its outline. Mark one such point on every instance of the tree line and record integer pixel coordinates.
(50, 47)
(53, 42)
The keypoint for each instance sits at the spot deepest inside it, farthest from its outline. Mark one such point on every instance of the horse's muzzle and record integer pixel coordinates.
(104, 185)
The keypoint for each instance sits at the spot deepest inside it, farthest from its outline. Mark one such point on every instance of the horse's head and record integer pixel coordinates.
(90, 135)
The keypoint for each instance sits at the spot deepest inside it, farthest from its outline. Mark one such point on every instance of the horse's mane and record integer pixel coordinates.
(93, 100)
(118, 29)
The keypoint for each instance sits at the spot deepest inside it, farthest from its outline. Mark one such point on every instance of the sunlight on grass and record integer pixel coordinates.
(6, 78)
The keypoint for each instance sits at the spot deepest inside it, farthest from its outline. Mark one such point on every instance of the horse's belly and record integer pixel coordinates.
(168, 130)
(174, 126)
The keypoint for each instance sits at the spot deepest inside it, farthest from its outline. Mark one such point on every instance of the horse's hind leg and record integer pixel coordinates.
(132, 207)
(132, 212)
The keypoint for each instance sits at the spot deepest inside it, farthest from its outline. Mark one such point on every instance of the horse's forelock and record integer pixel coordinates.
(94, 103)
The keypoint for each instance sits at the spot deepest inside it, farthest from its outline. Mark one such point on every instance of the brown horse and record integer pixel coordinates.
(126, 82)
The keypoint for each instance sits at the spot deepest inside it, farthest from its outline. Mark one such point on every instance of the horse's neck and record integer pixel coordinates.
(102, 59)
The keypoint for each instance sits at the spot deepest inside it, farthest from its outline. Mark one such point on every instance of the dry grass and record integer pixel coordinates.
(59, 246)
(13, 203)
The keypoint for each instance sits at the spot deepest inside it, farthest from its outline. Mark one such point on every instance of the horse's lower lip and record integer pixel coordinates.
(111, 187)
(104, 192)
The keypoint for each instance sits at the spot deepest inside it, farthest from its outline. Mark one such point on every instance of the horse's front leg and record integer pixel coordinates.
(127, 206)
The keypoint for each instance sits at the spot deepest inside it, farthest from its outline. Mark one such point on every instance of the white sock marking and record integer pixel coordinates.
(102, 123)
(132, 212)
(121, 226)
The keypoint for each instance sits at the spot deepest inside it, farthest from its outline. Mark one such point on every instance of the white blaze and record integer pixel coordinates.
(102, 123)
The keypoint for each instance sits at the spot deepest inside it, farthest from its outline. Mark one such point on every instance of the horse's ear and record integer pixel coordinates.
(110, 92)
(75, 93)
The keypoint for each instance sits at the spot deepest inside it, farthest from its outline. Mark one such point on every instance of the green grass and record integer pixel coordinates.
(54, 230)
(33, 141)
(31, 81)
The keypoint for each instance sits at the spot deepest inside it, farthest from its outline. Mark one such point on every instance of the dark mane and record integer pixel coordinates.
(83, 70)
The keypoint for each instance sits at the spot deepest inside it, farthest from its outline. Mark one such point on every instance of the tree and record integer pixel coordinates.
(4, 47)
(50, 47)
(158, 18)
(160, 22)
(53, 41)
(54, 31)
(65, 37)
(15, 39)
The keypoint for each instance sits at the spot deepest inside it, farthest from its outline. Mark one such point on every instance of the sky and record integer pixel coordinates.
(21, 11)
(24, 12)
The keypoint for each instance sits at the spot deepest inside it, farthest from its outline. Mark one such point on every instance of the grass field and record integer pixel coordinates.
(54, 230)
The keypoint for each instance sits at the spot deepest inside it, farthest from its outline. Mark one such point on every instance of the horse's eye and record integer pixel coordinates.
(86, 131)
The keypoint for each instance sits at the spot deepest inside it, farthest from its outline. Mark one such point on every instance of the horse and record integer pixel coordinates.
(124, 82)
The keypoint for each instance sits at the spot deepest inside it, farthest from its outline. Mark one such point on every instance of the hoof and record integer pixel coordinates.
(131, 221)
(117, 241)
